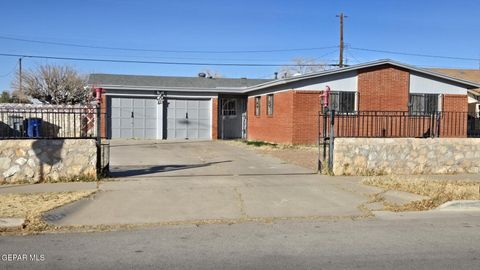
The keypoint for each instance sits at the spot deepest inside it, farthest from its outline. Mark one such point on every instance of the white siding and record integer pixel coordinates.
(420, 83)
(338, 82)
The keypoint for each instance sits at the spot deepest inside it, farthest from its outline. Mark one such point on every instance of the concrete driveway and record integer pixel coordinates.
(196, 181)
(147, 159)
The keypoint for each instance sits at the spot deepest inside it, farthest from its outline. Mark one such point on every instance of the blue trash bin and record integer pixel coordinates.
(34, 127)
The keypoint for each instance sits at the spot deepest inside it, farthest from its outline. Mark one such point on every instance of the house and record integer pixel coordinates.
(474, 94)
(281, 110)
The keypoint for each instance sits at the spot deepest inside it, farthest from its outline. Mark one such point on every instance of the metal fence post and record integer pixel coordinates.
(331, 140)
(99, 141)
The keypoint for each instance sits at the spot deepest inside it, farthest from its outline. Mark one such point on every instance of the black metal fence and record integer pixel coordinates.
(48, 122)
(401, 124)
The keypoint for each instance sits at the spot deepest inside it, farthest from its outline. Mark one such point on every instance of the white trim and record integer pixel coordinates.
(211, 118)
(159, 121)
(155, 95)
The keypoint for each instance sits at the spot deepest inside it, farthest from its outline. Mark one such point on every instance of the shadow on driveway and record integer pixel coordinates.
(124, 171)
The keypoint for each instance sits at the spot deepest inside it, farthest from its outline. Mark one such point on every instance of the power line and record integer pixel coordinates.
(416, 54)
(156, 62)
(159, 50)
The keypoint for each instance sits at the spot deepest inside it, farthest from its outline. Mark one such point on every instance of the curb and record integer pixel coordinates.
(460, 205)
(11, 224)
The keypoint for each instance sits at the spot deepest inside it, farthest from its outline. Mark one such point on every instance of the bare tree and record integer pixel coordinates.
(301, 66)
(53, 84)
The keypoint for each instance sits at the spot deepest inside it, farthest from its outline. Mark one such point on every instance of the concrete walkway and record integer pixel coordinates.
(210, 198)
(207, 180)
(48, 187)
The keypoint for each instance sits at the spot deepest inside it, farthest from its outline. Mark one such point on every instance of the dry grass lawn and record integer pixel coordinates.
(31, 205)
(438, 191)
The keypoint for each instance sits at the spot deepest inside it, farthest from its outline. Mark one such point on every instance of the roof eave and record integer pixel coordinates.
(469, 84)
(178, 89)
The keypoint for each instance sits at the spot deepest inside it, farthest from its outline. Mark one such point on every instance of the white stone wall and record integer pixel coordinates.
(376, 156)
(46, 160)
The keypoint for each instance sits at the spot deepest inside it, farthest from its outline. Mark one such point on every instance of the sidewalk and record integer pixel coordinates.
(48, 187)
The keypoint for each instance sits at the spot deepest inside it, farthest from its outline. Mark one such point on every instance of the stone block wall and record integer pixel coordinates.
(46, 160)
(376, 156)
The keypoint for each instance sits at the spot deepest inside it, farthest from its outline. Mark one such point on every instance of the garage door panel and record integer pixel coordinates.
(139, 103)
(125, 112)
(197, 126)
(138, 133)
(133, 118)
(204, 133)
(126, 133)
(150, 133)
(192, 104)
(151, 112)
(150, 123)
(204, 114)
(151, 103)
(125, 102)
(192, 113)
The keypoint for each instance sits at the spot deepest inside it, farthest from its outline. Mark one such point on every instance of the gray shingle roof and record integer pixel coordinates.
(171, 82)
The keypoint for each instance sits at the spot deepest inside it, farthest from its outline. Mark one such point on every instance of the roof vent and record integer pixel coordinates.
(202, 75)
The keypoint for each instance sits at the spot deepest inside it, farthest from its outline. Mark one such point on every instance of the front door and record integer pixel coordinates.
(232, 117)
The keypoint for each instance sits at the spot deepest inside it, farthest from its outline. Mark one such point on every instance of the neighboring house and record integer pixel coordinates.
(282, 110)
(470, 75)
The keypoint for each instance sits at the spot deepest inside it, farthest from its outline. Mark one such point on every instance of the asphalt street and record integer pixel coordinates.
(440, 240)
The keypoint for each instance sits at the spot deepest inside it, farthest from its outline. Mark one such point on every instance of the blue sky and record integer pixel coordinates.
(440, 27)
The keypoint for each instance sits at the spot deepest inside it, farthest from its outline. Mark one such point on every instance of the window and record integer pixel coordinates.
(257, 106)
(270, 104)
(342, 102)
(420, 104)
(229, 107)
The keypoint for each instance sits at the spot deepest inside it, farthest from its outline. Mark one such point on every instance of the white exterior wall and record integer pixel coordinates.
(337, 82)
(423, 84)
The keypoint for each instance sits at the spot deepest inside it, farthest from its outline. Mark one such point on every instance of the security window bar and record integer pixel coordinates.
(342, 102)
(270, 104)
(229, 107)
(257, 106)
(423, 104)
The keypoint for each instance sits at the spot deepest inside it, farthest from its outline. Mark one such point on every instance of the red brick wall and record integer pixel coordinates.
(455, 103)
(454, 119)
(383, 88)
(271, 128)
(103, 116)
(306, 105)
(214, 118)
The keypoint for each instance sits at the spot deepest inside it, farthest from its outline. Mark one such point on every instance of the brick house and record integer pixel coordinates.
(282, 110)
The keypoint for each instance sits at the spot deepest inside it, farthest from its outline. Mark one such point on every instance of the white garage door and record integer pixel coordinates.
(188, 119)
(133, 118)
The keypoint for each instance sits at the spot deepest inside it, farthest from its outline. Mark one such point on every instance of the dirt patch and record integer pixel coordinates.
(301, 155)
(31, 205)
(438, 191)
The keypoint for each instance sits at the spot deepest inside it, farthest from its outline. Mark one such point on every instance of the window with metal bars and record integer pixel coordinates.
(421, 104)
(257, 106)
(270, 104)
(342, 102)
(229, 107)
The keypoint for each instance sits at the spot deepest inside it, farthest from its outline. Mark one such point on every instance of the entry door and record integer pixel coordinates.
(233, 118)
(133, 118)
(188, 119)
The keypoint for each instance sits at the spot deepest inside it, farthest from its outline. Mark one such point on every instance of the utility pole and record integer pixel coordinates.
(340, 60)
(20, 74)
